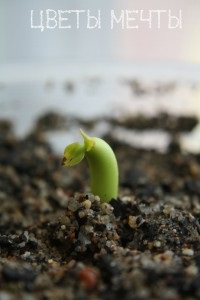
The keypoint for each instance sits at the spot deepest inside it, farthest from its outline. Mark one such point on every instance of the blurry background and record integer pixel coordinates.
(92, 73)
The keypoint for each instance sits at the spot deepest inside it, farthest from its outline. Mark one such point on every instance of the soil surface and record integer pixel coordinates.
(57, 241)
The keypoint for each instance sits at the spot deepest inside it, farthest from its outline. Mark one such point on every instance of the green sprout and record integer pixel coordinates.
(102, 165)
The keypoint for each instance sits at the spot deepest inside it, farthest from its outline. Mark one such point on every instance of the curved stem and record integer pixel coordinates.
(102, 165)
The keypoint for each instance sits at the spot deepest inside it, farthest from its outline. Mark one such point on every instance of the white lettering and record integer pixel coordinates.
(145, 19)
(96, 21)
(41, 26)
(124, 19)
(77, 12)
(158, 12)
(51, 18)
(61, 19)
(119, 20)
(130, 18)
(177, 21)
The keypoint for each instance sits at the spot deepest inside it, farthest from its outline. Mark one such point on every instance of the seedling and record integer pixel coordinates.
(102, 165)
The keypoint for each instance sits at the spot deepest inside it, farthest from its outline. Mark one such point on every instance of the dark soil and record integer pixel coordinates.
(58, 242)
(164, 121)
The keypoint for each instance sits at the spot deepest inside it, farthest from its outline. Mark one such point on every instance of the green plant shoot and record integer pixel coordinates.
(102, 165)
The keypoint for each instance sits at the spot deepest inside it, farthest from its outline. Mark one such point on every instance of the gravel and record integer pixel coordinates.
(57, 241)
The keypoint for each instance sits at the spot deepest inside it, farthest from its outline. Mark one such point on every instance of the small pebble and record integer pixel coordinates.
(73, 205)
(87, 204)
(157, 244)
(63, 227)
(192, 270)
(26, 254)
(88, 276)
(106, 208)
(132, 222)
(188, 252)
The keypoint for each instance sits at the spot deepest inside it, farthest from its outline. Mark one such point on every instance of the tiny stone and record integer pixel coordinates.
(97, 199)
(132, 222)
(87, 204)
(65, 220)
(166, 210)
(22, 245)
(106, 208)
(63, 227)
(82, 214)
(191, 217)
(191, 270)
(88, 228)
(71, 263)
(73, 205)
(50, 261)
(26, 235)
(126, 199)
(80, 265)
(157, 244)
(188, 252)
(26, 254)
